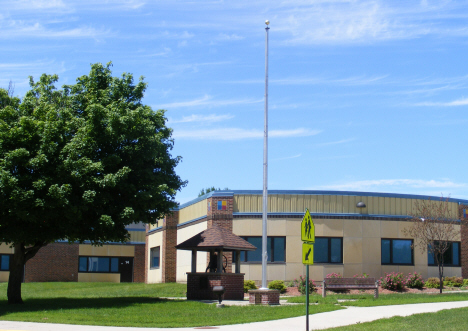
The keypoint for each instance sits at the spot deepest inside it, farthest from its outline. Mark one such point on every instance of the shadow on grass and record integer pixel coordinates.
(51, 304)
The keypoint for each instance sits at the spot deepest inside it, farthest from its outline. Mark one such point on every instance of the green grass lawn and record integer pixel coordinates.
(139, 305)
(367, 300)
(451, 319)
(143, 305)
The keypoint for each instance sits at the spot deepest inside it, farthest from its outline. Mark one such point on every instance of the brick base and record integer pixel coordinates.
(200, 286)
(264, 297)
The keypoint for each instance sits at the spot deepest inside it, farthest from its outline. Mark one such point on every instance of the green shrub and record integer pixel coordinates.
(414, 280)
(432, 282)
(292, 283)
(249, 285)
(453, 281)
(301, 285)
(465, 282)
(334, 275)
(277, 285)
(394, 281)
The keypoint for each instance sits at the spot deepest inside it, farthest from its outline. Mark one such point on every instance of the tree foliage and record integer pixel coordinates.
(81, 163)
(204, 191)
(434, 226)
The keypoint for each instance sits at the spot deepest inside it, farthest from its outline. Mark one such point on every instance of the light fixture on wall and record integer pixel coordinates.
(361, 204)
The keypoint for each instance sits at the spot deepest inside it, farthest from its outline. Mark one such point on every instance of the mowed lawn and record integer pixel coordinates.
(132, 304)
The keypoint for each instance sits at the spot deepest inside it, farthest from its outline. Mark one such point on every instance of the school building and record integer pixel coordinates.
(356, 233)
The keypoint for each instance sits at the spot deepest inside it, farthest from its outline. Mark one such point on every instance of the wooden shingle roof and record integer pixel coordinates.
(216, 238)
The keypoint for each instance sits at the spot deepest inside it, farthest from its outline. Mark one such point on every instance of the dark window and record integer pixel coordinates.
(328, 250)
(98, 264)
(276, 250)
(397, 251)
(451, 255)
(155, 252)
(5, 262)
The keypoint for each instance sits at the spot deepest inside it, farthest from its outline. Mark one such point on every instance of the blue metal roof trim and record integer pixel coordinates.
(206, 196)
(155, 229)
(139, 229)
(324, 214)
(351, 193)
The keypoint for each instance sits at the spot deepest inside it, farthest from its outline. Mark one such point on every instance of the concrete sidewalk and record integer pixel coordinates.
(351, 315)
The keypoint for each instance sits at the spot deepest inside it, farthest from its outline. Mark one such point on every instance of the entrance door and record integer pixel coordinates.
(126, 269)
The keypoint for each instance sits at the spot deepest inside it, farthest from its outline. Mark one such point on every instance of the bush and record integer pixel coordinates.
(465, 282)
(292, 283)
(334, 275)
(301, 285)
(364, 275)
(277, 285)
(432, 282)
(453, 281)
(249, 285)
(394, 281)
(414, 280)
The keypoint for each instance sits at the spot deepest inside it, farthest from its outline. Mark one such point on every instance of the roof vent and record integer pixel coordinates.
(361, 204)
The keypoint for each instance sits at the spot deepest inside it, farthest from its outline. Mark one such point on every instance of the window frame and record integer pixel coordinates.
(451, 253)
(99, 272)
(9, 261)
(329, 247)
(270, 256)
(391, 251)
(151, 258)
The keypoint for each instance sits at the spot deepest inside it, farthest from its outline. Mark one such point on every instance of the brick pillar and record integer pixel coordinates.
(463, 211)
(139, 264)
(221, 216)
(169, 252)
(146, 253)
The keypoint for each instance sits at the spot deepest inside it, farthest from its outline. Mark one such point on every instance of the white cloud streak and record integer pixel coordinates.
(455, 103)
(366, 185)
(206, 101)
(203, 118)
(240, 134)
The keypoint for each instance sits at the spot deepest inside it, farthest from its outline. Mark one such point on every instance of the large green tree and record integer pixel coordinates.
(80, 163)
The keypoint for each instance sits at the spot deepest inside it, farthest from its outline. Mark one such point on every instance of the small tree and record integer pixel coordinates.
(433, 228)
(209, 189)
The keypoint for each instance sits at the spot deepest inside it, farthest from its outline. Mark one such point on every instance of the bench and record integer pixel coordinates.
(334, 284)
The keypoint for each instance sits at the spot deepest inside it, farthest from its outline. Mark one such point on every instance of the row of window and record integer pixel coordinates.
(98, 264)
(330, 250)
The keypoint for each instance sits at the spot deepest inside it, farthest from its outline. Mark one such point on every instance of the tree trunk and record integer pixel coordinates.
(441, 277)
(20, 256)
(16, 275)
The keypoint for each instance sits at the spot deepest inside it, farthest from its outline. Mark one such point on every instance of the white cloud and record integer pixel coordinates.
(384, 184)
(239, 134)
(203, 118)
(339, 142)
(206, 101)
(455, 103)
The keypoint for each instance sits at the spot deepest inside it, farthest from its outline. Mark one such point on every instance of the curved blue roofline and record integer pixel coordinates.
(225, 193)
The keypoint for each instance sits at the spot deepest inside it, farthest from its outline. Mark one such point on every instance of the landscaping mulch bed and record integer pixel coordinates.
(293, 291)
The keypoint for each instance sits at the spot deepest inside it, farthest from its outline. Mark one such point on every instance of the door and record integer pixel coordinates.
(126, 269)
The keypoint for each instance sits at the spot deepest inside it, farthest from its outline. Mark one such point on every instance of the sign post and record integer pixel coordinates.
(308, 240)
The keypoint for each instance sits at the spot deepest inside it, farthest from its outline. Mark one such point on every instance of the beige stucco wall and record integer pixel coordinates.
(99, 277)
(361, 248)
(107, 250)
(4, 276)
(184, 258)
(154, 240)
(5, 249)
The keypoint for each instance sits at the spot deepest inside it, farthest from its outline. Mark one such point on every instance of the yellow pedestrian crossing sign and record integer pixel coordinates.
(307, 228)
(307, 253)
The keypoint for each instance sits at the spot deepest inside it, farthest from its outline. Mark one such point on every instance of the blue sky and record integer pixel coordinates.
(364, 95)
